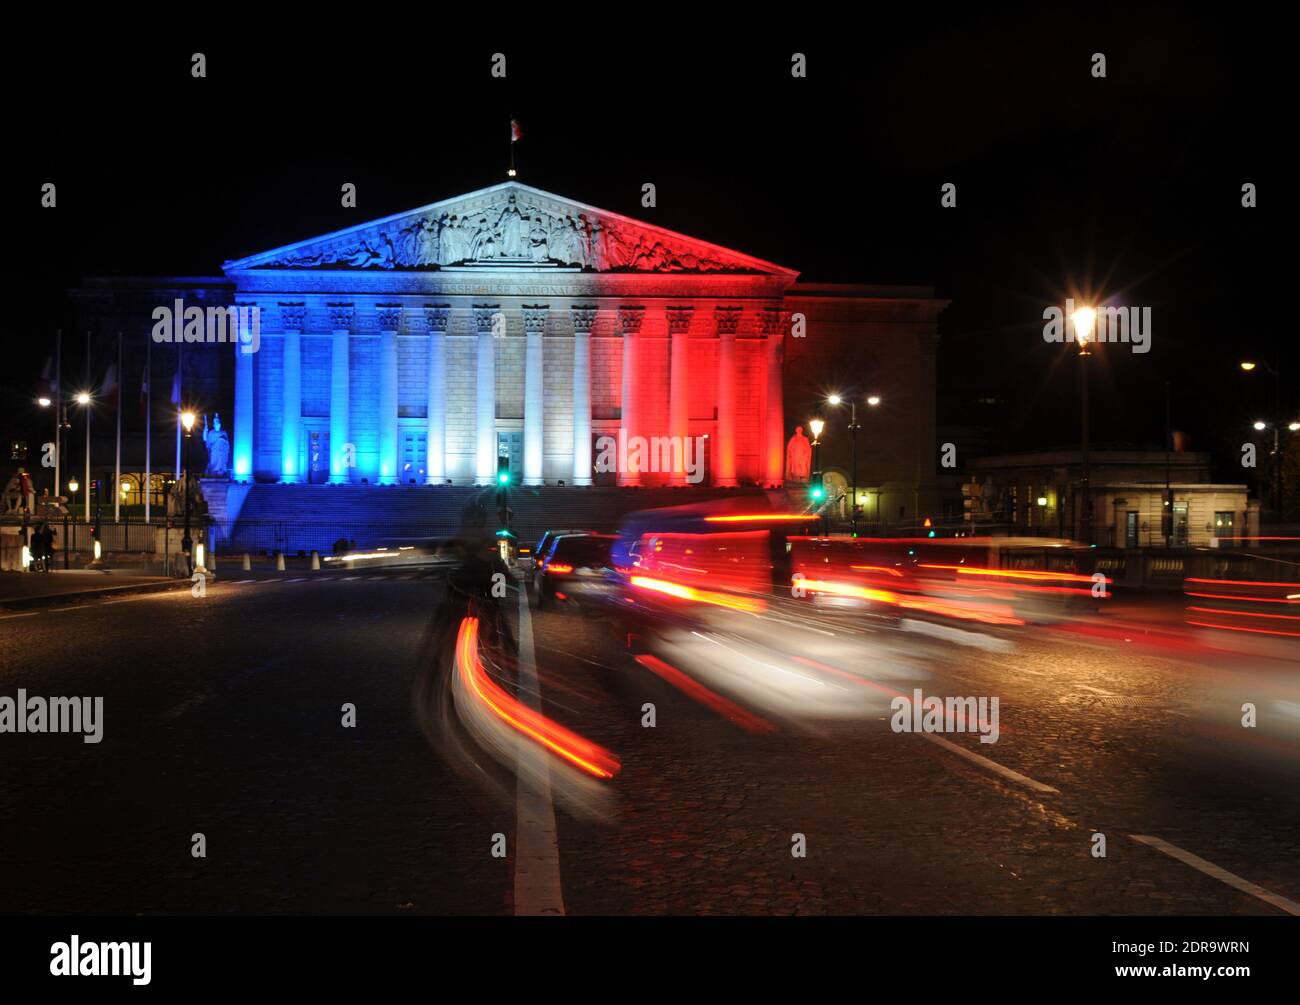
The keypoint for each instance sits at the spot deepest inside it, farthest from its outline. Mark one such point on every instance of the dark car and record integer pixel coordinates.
(573, 564)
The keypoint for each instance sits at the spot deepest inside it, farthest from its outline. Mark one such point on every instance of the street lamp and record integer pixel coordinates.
(187, 421)
(819, 484)
(1085, 318)
(1248, 366)
(854, 426)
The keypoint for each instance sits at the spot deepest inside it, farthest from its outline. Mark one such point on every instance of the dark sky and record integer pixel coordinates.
(1127, 187)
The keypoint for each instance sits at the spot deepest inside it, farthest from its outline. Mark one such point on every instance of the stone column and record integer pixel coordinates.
(773, 323)
(724, 446)
(534, 395)
(342, 457)
(584, 319)
(242, 455)
(390, 321)
(679, 386)
(292, 318)
(629, 324)
(488, 321)
(436, 414)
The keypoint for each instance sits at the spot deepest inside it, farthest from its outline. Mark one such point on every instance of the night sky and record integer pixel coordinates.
(1127, 188)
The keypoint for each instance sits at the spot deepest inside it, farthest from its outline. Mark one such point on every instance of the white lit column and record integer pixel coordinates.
(436, 413)
(246, 315)
(488, 320)
(774, 439)
(724, 447)
(390, 320)
(341, 316)
(679, 386)
(534, 394)
(584, 319)
(292, 317)
(629, 323)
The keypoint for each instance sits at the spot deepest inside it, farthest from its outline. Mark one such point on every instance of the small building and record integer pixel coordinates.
(1041, 494)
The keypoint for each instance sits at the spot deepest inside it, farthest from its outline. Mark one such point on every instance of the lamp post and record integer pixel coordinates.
(1084, 318)
(1249, 366)
(72, 487)
(854, 426)
(187, 421)
(819, 484)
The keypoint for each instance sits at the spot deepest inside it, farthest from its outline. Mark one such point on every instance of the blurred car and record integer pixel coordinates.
(574, 569)
(404, 553)
(545, 542)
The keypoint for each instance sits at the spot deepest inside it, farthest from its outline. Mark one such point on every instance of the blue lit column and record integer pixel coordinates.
(341, 316)
(584, 319)
(292, 317)
(390, 320)
(534, 394)
(436, 421)
(242, 466)
(487, 321)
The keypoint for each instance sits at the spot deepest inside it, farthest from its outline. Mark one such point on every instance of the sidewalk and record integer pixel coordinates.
(19, 590)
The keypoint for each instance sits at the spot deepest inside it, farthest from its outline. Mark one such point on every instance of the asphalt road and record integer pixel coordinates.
(222, 717)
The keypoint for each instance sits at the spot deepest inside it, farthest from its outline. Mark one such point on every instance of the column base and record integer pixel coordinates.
(581, 483)
(290, 479)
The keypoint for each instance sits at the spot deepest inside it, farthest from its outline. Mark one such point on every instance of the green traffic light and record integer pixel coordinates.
(504, 478)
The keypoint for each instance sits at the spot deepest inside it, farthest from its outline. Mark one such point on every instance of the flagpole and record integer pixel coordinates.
(58, 410)
(117, 464)
(86, 512)
(148, 428)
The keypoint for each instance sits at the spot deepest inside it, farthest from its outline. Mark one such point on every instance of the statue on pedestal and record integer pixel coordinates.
(798, 457)
(218, 444)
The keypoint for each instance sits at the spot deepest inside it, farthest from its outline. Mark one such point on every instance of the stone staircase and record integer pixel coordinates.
(293, 518)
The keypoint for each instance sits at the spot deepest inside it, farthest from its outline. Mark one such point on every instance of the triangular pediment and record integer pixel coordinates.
(508, 225)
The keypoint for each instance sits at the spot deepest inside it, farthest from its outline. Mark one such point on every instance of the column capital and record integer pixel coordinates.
(342, 316)
(535, 318)
(390, 317)
(293, 316)
(728, 320)
(630, 319)
(772, 319)
(485, 316)
(436, 317)
(679, 320)
(584, 318)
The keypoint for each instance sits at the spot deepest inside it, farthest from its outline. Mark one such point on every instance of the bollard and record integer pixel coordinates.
(315, 561)
(279, 561)
(248, 565)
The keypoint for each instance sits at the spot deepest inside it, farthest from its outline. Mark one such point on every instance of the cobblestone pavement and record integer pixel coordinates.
(223, 717)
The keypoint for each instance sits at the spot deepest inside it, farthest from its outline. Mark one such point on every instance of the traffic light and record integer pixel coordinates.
(818, 493)
(503, 471)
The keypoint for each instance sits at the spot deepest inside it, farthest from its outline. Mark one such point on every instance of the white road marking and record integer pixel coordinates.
(537, 849)
(1222, 875)
(984, 762)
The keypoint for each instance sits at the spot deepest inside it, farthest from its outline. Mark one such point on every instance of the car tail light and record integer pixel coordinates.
(559, 567)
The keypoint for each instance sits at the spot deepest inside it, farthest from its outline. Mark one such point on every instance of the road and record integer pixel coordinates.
(223, 717)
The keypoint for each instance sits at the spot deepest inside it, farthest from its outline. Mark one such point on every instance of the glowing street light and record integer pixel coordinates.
(43, 402)
(1247, 365)
(83, 398)
(187, 420)
(1084, 318)
(874, 400)
(1260, 426)
(816, 425)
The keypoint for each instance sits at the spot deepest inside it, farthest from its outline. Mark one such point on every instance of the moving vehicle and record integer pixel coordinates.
(575, 569)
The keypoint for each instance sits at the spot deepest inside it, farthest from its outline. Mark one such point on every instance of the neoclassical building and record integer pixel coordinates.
(420, 347)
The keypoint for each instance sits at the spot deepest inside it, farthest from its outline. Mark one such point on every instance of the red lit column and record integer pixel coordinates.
(679, 386)
(629, 323)
(774, 435)
(724, 446)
